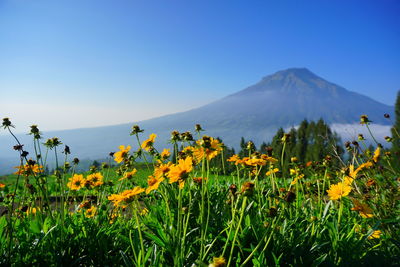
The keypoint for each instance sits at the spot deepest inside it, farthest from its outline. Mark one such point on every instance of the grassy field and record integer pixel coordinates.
(156, 210)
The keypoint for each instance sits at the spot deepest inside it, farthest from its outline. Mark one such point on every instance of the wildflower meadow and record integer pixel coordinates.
(194, 204)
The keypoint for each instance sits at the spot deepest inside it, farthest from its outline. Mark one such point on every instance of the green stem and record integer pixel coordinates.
(237, 230)
(140, 147)
(139, 231)
(371, 134)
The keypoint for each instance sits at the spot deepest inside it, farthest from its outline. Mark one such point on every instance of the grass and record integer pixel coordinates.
(190, 215)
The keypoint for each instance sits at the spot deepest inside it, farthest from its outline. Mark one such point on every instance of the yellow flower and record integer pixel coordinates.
(29, 169)
(126, 196)
(2, 185)
(375, 234)
(144, 212)
(85, 205)
(147, 144)
(377, 153)
(208, 148)
(339, 190)
(348, 180)
(255, 162)
(199, 180)
(247, 188)
(235, 158)
(364, 119)
(296, 179)
(162, 169)
(95, 179)
(188, 150)
(364, 210)
(89, 213)
(128, 175)
(353, 173)
(272, 171)
(153, 183)
(218, 262)
(180, 172)
(165, 153)
(121, 154)
(76, 182)
(113, 216)
(269, 159)
(31, 211)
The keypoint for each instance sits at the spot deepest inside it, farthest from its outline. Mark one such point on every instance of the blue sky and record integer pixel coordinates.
(72, 64)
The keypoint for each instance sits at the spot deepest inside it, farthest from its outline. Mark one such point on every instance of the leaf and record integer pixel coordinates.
(155, 238)
(320, 260)
(256, 262)
(46, 225)
(3, 223)
(249, 206)
(277, 260)
(247, 220)
(125, 259)
(326, 209)
(34, 226)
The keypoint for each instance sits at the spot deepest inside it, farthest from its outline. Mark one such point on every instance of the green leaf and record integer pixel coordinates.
(126, 259)
(155, 238)
(35, 226)
(326, 209)
(47, 225)
(320, 260)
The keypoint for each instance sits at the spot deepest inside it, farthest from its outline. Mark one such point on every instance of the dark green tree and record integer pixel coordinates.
(302, 140)
(242, 152)
(263, 147)
(310, 142)
(276, 143)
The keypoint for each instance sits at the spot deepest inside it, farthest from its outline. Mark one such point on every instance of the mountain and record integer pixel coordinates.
(282, 99)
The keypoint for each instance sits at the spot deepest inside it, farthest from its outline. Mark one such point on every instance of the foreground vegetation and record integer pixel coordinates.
(192, 206)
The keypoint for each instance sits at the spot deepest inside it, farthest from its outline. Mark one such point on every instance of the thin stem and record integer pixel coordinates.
(237, 230)
(139, 231)
(369, 130)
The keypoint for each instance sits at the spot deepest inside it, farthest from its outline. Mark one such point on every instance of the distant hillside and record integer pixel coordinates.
(282, 99)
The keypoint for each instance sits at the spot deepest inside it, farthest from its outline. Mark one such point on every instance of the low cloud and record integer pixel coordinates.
(350, 132)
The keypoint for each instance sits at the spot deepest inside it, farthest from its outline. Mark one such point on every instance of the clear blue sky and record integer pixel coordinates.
(82, 63)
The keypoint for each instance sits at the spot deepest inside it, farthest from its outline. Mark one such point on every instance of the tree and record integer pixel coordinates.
(96, 163)
(310, 142)
(302, 140)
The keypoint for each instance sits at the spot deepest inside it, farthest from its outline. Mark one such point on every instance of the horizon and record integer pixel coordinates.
(71, 65)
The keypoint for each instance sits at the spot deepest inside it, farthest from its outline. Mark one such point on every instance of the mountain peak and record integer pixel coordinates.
(302, 74)
(294, 71)
(294, 80)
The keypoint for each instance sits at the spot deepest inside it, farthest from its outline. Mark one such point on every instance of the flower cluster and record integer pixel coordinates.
(77, 181)
(30, 168)
(126, 197)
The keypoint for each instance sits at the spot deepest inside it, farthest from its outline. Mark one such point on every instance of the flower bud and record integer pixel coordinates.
(198, 128)
(136, 129)
(364, 119)
(7, 123)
